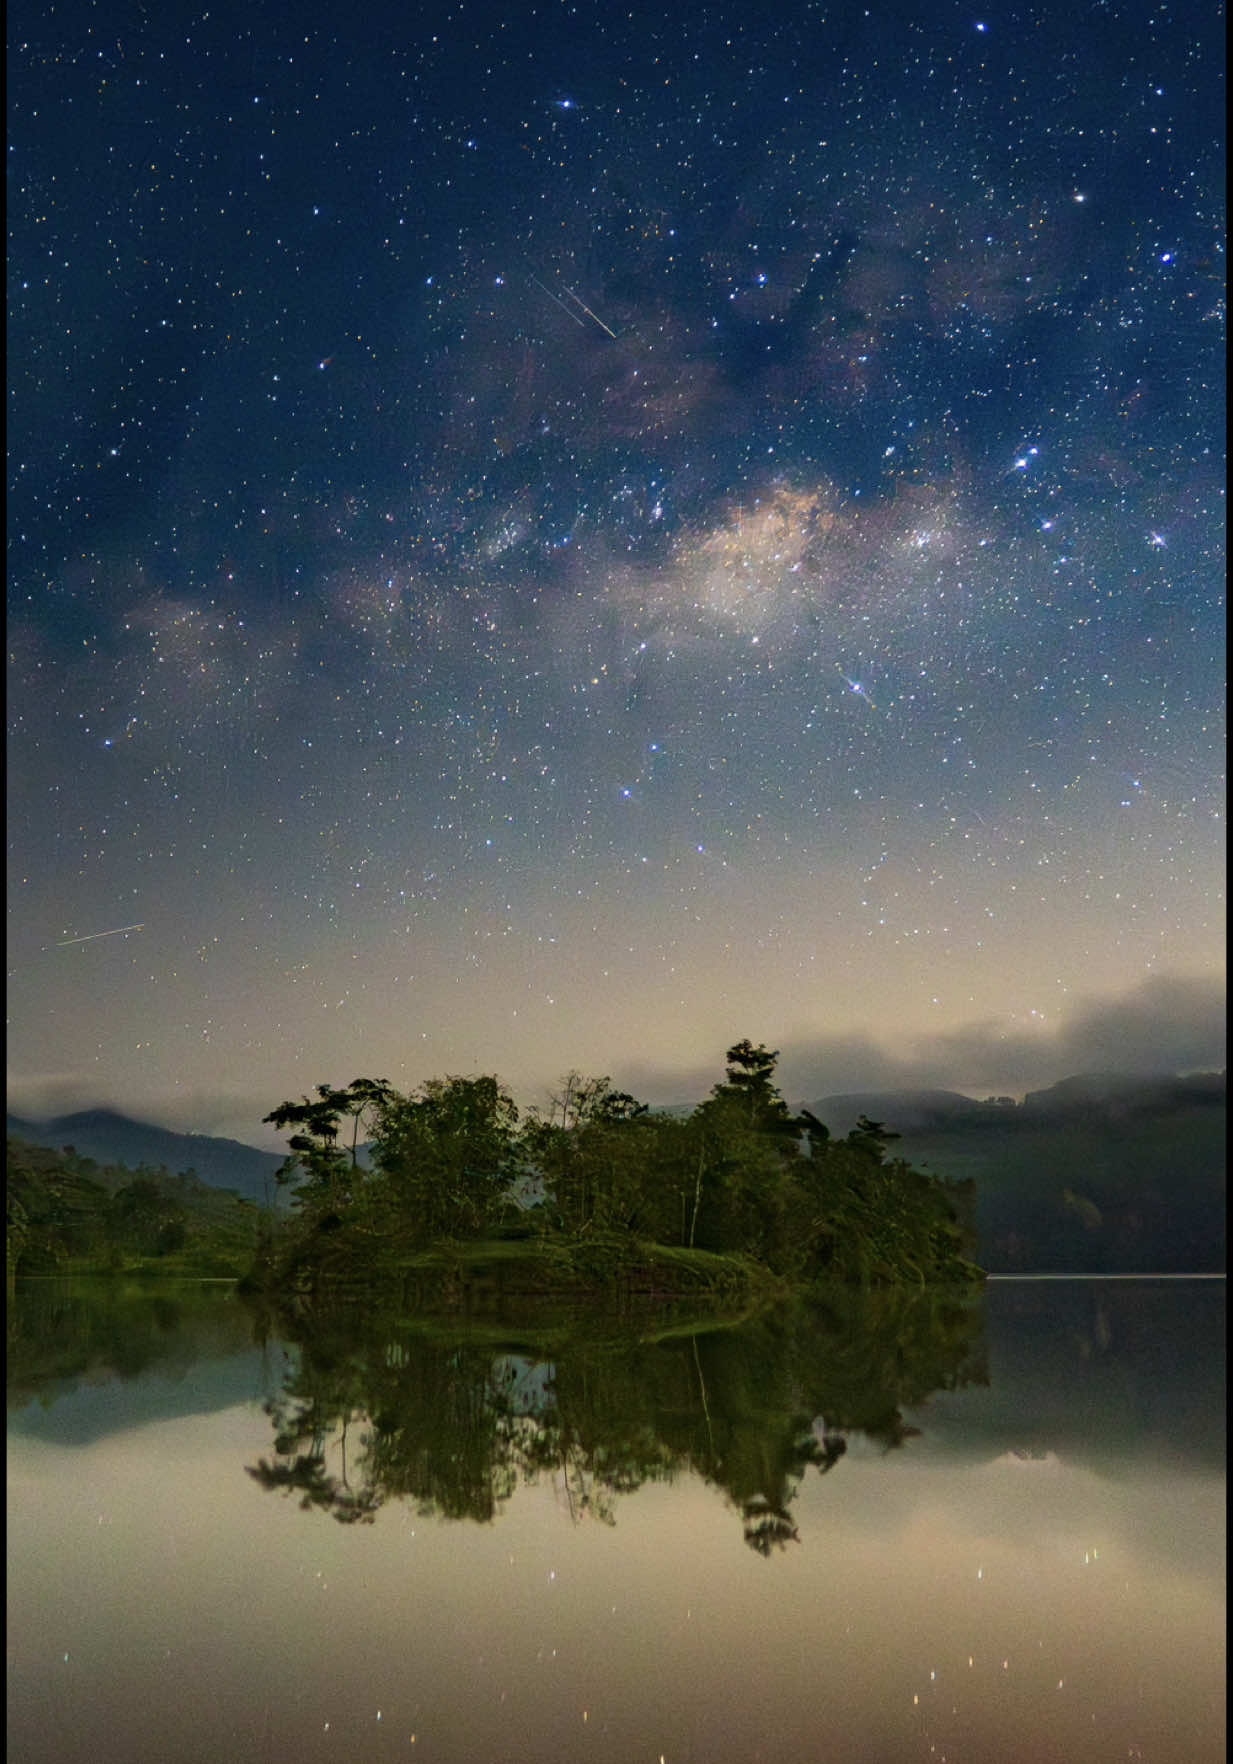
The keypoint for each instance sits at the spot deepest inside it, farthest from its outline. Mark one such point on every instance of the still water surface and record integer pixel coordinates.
(891, 1530)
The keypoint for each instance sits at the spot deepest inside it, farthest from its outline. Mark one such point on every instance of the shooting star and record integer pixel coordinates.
(565, 309)
(569, 310)
(578, 301)
(65, 941)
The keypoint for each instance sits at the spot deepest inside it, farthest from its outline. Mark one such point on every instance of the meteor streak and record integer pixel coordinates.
(65, 941)
(591, 315)
(580, 303)
(560, 303)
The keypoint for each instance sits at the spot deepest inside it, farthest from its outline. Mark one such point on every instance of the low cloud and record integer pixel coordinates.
(223, 1114)
(1168, 1024)
(38, 1096)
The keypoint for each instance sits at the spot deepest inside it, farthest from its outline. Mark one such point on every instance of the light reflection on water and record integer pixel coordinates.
(1035, 1571)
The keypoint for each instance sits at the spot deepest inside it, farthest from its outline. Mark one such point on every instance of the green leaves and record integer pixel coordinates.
(447, 1155)
(751, 1088)
(741, 1174)
(326, 1177)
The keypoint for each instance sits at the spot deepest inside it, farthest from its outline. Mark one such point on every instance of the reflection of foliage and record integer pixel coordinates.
(71, 1328)
(454, 1421)
(306, 1472)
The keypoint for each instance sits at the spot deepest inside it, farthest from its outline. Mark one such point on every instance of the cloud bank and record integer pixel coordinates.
(1168, 1024)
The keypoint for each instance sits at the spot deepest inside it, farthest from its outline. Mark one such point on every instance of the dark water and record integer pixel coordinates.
(887, 1528)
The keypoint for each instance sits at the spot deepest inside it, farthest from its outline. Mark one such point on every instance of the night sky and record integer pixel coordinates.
(564, 536)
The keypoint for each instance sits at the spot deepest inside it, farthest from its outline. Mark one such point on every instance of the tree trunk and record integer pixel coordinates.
(697, 1198)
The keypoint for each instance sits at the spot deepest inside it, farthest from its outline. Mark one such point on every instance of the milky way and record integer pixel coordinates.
(562, 539)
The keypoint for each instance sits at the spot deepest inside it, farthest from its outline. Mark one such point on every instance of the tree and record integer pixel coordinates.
(17, 1229)
(325, 1179)
(750, 1085)
(871, 1138)
(748, 1150)
(584, 1151)
(446, 1155)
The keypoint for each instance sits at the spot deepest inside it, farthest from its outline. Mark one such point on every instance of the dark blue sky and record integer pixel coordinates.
(543, 536)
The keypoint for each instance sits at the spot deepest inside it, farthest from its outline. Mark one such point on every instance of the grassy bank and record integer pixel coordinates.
(488, 1274)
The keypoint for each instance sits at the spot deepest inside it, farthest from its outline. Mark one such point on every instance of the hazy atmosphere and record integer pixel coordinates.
(567, 537)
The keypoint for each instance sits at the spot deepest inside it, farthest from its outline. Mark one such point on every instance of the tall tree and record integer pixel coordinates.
(747, 1153)
(750, 1085)
(583, 1149)
(325, 1177)
(447, 1155)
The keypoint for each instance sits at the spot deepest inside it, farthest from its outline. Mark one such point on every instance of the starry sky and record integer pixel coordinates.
(555, 536)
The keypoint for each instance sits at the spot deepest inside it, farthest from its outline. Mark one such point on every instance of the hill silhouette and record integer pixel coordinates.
(1097, 1173)
(112, 1138)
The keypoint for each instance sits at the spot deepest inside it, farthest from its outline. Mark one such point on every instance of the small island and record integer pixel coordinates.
(598, 1195)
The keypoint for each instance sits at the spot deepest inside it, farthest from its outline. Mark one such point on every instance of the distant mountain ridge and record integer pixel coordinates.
(901, 1110)
(916, 1111)
(1116, 1092)
(111, 1138)
(1099, 1173)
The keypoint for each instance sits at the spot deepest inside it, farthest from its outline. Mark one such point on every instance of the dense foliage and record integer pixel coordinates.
(742, 1175)
(1093, 1175)
(65, 1213)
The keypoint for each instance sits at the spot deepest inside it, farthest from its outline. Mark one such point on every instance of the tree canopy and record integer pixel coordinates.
(742, 1174)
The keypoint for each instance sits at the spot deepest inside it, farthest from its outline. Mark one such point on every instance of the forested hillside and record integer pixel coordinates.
(68, 1214)
(1095, 1174)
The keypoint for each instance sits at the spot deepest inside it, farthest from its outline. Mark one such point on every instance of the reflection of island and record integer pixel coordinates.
(377, 1408)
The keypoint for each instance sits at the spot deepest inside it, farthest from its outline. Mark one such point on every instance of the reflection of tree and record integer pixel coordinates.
(440, 1433)
(377, 1408)
(321, 1393)
(767, 1527)
(307, 1473)
(70, 1328)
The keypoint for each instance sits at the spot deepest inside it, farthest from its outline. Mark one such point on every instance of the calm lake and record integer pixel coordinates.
(889, 1528)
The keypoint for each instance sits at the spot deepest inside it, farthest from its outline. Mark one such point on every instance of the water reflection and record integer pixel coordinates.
(379, 1407)
(1038, 1575)
(59, 1331)
(87, 1355)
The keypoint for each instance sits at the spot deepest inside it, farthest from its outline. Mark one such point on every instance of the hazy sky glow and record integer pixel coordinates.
(552, 537)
